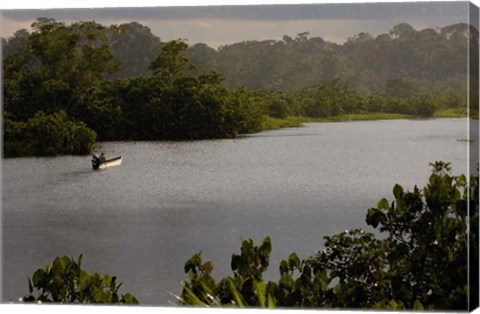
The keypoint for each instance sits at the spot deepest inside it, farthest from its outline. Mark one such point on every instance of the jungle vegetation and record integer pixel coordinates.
(424, 257)
(64, 281)
(123, 83)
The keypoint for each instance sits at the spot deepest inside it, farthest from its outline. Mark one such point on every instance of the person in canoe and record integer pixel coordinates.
(97, 160)
(101, 162)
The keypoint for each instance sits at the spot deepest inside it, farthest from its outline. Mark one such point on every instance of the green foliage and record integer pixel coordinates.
(64, 281)
(420, 262)
(424, 105)
(175, 103)
(55, 67)
(274, 123)
(135, 47)
(329, 98)
(246, 287)
(171, 59)
(47, 135)
(429, 59)
(199, 93)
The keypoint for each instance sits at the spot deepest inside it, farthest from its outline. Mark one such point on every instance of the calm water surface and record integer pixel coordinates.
(141, 221)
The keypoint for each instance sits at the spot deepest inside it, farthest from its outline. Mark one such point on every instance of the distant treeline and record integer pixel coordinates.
(434, 59)
(123, 83)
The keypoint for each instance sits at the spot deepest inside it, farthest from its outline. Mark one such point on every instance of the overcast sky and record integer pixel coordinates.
(220, 25)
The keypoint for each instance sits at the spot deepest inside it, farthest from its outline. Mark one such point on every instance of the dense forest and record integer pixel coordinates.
(88, 82)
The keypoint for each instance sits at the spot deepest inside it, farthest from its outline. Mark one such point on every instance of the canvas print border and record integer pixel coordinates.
(184, 114)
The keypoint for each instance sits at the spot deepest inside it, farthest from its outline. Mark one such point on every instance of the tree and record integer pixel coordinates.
(55, 67)
(176, 102)
(402, 31)
(426, 239)
(135, 47)
(172, 60)
(203, 56)
(424, 105)
(329, 98)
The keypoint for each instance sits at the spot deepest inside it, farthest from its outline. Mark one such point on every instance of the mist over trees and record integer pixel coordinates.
(124, 83)
(431, 58)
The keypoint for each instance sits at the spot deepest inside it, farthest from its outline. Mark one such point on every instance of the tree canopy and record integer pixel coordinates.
(123, 83)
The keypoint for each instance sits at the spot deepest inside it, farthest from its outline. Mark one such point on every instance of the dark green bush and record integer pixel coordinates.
(64, 281)
(420, 262)
(47, 135)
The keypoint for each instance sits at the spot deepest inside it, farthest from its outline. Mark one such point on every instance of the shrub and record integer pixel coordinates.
(47, 135)
(421, 261)
(64, 281)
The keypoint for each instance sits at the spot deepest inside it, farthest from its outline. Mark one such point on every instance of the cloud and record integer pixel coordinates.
(260, 12)
(217, 32)
(220, 25)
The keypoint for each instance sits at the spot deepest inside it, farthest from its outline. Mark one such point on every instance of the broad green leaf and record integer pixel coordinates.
(293, 261)
(284, 267)
(236, 262)
(39, 278)
(286, 282)
(398, 191)
(383, 204)
(417, 305)
(129, 299)
(271, 301)
(193, 263)
(374, 217)
(247, 247)
(84, 280)
(266, 246)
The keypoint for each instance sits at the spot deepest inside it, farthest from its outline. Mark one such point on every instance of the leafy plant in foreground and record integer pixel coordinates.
(64, 281)
(421, 261)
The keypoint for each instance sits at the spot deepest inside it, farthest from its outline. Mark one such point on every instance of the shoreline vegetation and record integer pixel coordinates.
(74, 147)
(68, 86)
(271, 123)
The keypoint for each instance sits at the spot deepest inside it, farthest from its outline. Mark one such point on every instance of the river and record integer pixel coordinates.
(168, 200)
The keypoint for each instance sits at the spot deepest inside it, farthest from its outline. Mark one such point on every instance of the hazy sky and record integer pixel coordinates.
(220, 25)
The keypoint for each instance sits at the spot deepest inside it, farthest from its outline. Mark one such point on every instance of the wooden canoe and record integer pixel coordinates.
(117, 161)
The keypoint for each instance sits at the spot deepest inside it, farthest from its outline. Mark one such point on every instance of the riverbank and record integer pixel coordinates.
(296, 121)
(14, 147)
